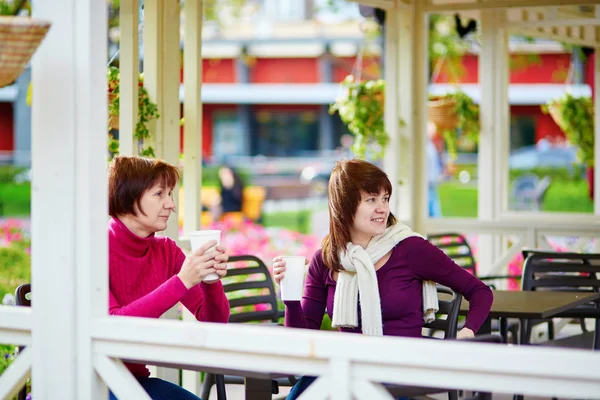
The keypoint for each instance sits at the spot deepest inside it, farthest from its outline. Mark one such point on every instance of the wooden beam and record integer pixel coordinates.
(434, 7)
(129, 71)
(192, 112)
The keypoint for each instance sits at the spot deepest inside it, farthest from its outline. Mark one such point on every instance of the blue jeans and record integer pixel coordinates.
(305, 382)
(162, 390)
(435, 206)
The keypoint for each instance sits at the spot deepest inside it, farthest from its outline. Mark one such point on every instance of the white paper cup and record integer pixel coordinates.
(293, 280)
(197, 240)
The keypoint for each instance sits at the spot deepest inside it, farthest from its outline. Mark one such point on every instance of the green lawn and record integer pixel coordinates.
(459, 200)
(15, 199)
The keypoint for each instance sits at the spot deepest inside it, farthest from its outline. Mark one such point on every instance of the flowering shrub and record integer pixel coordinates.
(246, 237)
(15, 258)
(15, 264)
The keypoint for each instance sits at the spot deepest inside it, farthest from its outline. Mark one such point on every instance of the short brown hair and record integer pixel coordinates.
(349, 180)
(130, 177)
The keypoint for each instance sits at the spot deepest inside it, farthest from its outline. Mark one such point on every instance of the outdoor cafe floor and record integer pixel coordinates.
(236, 392)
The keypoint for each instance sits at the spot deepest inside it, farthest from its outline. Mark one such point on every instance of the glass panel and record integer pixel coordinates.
(545, 173)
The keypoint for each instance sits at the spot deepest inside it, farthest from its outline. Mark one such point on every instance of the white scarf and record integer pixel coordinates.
(359, 277)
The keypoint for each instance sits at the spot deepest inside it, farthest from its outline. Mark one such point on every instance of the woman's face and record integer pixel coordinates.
(157, 203)
(370, 218)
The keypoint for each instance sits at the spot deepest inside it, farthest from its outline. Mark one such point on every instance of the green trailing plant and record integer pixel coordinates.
(360, 107)
(147, 111)
(467, 129)
(575, 116)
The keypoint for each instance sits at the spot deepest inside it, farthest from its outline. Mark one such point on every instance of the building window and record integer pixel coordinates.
(284, 133)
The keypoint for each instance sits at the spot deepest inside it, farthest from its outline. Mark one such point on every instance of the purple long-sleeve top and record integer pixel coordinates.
(400, 290)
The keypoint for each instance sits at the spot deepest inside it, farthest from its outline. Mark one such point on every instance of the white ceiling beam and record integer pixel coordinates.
(587, 41)
(434, 7)
(555, 23)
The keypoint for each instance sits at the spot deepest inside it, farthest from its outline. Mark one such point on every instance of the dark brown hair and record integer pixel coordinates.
(130, 177)
(349, 180)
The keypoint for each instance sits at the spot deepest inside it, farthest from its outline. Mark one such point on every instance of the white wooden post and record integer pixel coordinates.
(391, 160)
(69, 191)
(418, 84)
(167, 145)
(192, 141)
(128, 72)
(153, 48)
(161, 58)
(493, 138)
(192, 112)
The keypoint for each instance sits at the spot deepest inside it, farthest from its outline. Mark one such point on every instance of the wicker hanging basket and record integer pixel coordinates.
(113, 120)
(19, 39)
(442, 112)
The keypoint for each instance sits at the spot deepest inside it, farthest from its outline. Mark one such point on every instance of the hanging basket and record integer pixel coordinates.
(113, 120)
(19, 39)
(442, 112)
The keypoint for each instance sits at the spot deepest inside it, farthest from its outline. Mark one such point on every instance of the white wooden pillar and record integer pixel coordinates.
(128, 73)
(69, 192)
(192, 140)
(391, 159)
(161, 79)
(493, 138)
(167, 144)
(405, 76)
(414, 78)
(597, 134)
(153, 51)
(192, 111)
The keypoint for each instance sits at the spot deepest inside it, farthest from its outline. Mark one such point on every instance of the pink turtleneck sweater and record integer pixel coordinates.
(143, 281)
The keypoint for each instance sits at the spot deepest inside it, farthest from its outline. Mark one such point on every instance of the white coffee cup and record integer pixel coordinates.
(197, 240)
(293, 280)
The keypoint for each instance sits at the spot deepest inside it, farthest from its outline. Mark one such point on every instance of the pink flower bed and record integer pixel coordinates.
(246, 237)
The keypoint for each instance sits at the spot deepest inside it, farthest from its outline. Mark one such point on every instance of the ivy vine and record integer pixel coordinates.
(360, 107)
(147, 110)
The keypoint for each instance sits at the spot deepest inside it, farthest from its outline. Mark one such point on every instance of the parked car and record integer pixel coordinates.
(530, 157)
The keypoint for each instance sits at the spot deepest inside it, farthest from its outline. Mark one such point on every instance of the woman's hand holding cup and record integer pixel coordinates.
(291, 283)
(207, 259)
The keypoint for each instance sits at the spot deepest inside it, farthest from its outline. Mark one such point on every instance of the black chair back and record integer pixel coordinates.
(456, 247)
(449, 306)
(23, 295)
(250, 290)
(566, 272)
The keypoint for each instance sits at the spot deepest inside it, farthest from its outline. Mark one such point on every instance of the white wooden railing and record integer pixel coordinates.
(344, 374)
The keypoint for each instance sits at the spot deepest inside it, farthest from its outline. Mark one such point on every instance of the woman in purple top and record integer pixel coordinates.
(359, 210)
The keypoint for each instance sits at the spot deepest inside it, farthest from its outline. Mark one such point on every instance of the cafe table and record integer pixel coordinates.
(528, 305)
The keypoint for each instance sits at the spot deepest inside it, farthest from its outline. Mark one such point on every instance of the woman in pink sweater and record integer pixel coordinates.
(149, 274)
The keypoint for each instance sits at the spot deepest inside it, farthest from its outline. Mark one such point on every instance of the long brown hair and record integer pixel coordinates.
(349, 180)
(130, 177)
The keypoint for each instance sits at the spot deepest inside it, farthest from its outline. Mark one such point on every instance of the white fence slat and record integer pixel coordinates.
(118, 378)
(15, 376)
